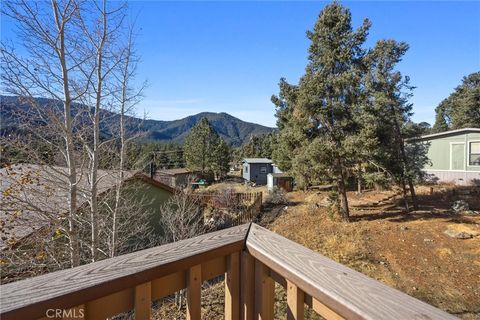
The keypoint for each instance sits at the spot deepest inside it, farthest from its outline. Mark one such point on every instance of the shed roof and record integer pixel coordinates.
(257, 160)
(449, 133)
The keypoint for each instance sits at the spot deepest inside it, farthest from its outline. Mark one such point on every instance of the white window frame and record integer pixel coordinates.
(464, 155)
(468, 154)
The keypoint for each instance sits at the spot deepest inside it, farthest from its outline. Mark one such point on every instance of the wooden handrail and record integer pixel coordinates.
(30, 298)
(252, 260)
(346, 292)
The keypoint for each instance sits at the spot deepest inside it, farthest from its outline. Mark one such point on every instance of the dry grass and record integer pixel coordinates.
(407, 252)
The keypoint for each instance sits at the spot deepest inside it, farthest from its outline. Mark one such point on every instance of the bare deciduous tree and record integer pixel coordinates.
(80, 55)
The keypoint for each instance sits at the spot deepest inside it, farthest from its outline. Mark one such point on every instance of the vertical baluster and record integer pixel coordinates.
(264, 292)
(295, 302)
(232, 287)
(194, 292)
(143, 301)
(247, 286)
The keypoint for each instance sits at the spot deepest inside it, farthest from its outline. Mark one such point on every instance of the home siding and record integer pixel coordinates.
(439, 152)
(246, 171)
(473, 136)
(443, 168)
(255, 174)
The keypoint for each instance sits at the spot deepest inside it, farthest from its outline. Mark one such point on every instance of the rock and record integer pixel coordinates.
(421, 212)
(458, 234)
(460, 206)
(428, 240)
(462, 231)
(403, 228)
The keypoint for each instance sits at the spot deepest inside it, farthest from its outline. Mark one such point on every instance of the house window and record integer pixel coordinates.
(246, 169)
(263, 169)
(474, 157)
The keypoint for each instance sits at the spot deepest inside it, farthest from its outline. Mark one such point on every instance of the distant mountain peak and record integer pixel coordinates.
(233, 130)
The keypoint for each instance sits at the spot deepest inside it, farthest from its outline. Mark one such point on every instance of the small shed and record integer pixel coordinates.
(256, 169)
(176, 178)
(279, 180)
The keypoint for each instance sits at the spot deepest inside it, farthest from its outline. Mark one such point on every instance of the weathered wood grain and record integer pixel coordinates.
(115, 303)
(247, 287)
(143, 301)
(194, 293)
(30, 298)
(232, 287)
(343, 290)
(295, 302)
(264, 292)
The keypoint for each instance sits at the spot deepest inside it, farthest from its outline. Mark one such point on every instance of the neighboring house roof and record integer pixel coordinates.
(173, 171)
(257, 160)
(153, 182)
(33, 195)
(448, 133)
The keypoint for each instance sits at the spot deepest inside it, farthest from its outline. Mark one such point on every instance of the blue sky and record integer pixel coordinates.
(229, 56)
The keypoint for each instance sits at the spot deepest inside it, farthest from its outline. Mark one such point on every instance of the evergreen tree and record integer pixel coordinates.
(329, 94)
(293, 130)
(205, 151)
(221, 159)
(258, 146)
(388, 95)
(441, 124)
(462, 108)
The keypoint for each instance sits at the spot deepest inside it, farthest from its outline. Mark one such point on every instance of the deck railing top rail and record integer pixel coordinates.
(29, 298)
(332, 289)
(345, 291)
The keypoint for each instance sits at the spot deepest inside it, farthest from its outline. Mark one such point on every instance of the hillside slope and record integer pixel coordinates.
(233, 130)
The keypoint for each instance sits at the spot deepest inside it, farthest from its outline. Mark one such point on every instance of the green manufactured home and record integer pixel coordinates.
(454, 156)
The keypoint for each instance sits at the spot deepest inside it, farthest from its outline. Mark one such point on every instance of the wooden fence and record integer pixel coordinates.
(252, 260)
(250, 212)
(245, 206)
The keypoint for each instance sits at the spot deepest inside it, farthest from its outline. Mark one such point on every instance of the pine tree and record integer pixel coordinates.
(205, 151)
(330, 91)
(221, 159)
(462, 108)
(388, 94)
(441, 124)
(293, 129)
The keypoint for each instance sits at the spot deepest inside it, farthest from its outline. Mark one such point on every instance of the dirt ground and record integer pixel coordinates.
(409, 252)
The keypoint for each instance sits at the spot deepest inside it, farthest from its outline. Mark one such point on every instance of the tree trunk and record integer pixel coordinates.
(405, 165)
(95, 245)
(342, 193)
(405, 197)
(74, 244)
(412, 193)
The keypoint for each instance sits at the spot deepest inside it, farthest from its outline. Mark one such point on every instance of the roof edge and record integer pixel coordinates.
(444, 133)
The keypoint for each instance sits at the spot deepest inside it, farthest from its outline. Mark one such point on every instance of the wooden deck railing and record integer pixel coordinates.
(252, 259)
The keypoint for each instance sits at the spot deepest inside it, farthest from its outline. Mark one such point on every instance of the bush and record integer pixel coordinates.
(377, 180)
(276, 197)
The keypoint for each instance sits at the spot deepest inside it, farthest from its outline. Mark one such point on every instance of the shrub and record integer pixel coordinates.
(276, 197)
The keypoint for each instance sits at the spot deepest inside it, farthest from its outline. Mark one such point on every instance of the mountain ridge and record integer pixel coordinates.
(233, 130)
